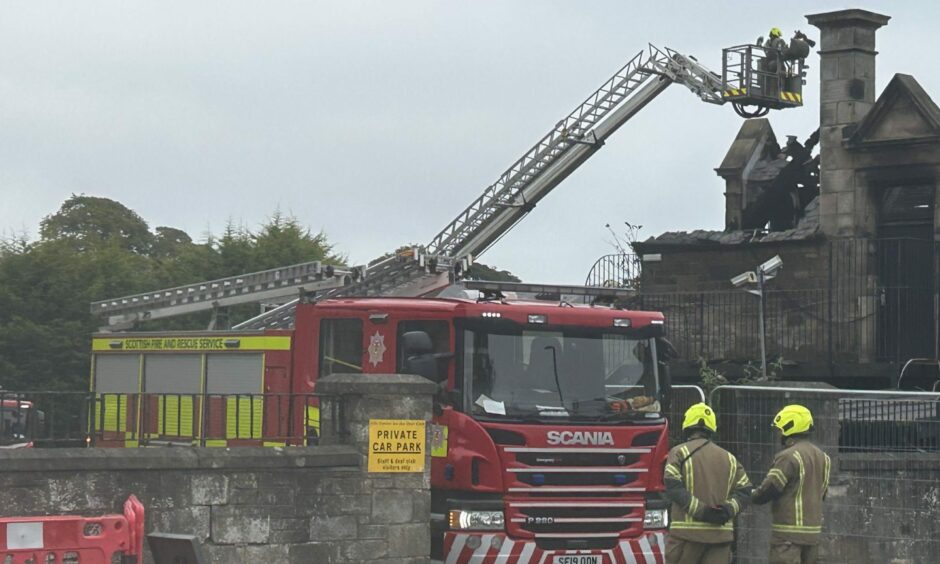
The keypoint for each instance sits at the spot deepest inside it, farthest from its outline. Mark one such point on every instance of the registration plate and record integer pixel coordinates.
(577, 559)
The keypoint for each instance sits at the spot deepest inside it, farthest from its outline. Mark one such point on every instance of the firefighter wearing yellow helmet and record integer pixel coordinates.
(707, 487)
(796, 484)
(776, 40)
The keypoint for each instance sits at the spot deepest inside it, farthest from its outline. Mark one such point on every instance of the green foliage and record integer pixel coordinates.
(88, 222)
(480, 271)
(95, 248)
(711, 377)
(752, 371)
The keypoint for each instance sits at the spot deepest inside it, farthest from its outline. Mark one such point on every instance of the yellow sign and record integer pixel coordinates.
(396, 445)
(195, 343)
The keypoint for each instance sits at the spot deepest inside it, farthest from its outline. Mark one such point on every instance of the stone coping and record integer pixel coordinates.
(375, 384)
(852, 16)
(889, 461)
(178, 458)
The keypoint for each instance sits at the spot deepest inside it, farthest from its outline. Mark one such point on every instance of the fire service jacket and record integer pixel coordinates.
(797, 483)
(700, 474)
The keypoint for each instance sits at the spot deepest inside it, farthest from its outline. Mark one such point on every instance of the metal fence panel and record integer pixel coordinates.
(884, 498)
(857, 301)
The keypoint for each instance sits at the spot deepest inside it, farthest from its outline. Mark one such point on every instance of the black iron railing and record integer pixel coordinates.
(59, 419)
(855, 300)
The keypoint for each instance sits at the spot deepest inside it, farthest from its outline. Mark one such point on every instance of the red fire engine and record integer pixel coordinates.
(549, 437)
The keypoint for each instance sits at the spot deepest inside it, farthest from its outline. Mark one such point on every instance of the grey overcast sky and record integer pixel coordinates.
(378, 122)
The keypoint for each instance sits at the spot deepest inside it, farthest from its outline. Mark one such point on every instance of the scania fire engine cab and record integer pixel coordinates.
(547, 442)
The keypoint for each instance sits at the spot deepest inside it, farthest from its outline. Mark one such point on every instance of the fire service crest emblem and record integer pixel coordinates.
(376, 348)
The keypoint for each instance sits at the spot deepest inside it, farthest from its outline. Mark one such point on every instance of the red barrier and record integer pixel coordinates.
(71, 539)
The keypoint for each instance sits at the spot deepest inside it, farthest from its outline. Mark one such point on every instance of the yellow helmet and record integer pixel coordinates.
(700, 415)
(793, 420)
(775, 32)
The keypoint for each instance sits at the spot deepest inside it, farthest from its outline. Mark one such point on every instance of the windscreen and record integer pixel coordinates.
(559, 372)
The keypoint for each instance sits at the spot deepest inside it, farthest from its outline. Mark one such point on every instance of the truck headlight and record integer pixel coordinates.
(478, 520)
(656, 519)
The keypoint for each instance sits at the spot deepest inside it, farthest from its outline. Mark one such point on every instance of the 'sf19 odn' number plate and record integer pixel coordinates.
(577, 559)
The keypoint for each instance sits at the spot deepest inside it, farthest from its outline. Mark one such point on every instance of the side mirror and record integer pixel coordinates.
(665, 387)
(666, 350)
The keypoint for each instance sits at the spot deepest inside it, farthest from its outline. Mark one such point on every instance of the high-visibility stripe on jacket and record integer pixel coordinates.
(701, 474)
(801, 472)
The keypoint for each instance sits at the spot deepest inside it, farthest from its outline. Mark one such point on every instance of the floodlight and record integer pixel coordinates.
(749, 277)
(772, 265)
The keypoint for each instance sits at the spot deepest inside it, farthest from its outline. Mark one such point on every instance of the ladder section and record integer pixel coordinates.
(569, 144)
(277, 284)
(571, 131)
(410, 273)
(688, 72)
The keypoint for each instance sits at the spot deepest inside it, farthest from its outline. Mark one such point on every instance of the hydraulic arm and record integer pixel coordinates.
(505, 202)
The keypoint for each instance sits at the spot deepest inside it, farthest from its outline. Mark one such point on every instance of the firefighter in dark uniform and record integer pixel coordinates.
(796, 484)
(708, 488)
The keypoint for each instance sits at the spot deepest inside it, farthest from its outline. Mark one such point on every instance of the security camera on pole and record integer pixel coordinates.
(765, 272)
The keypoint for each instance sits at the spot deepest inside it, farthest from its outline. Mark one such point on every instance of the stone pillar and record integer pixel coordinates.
(401, 502)
(847, 92)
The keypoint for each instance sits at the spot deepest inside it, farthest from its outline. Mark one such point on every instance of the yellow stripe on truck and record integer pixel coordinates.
(175, 416)
(191, 344)
(313, 418)
(115, 412)
(243, 417)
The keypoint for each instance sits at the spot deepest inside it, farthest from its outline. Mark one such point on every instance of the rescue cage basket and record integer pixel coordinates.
(769, 79)
(72, 539)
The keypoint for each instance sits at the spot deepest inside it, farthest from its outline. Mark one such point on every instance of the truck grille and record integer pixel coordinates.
(582, 495)
(590, 522)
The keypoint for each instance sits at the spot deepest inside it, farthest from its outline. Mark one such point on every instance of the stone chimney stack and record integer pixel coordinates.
(847, 91)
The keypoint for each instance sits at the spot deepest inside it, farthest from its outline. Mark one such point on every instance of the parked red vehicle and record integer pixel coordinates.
(548, 437)
(20, 422)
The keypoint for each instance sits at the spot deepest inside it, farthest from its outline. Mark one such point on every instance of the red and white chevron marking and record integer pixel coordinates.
(497, 549)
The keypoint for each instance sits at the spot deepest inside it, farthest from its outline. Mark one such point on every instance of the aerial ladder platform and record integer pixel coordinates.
(425, 269)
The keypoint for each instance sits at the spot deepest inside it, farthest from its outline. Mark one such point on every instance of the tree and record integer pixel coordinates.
(88, 221)
(96, 248)
(168, 242)
(282, 240)
(480, 271)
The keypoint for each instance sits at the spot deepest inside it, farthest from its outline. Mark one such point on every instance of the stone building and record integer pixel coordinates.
(855, 226)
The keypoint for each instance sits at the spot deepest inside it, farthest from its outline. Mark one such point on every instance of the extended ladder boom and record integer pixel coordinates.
(556, 155)
(572, 141)
(515, 193)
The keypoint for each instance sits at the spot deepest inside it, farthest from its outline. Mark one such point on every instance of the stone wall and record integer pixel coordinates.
(884, 507)
(707, 317)
(290, 505)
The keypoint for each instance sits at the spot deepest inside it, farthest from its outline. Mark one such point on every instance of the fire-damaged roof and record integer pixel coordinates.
(751, 139)
(807, 228)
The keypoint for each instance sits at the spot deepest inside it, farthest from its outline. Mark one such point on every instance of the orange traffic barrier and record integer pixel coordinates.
(72, 539)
